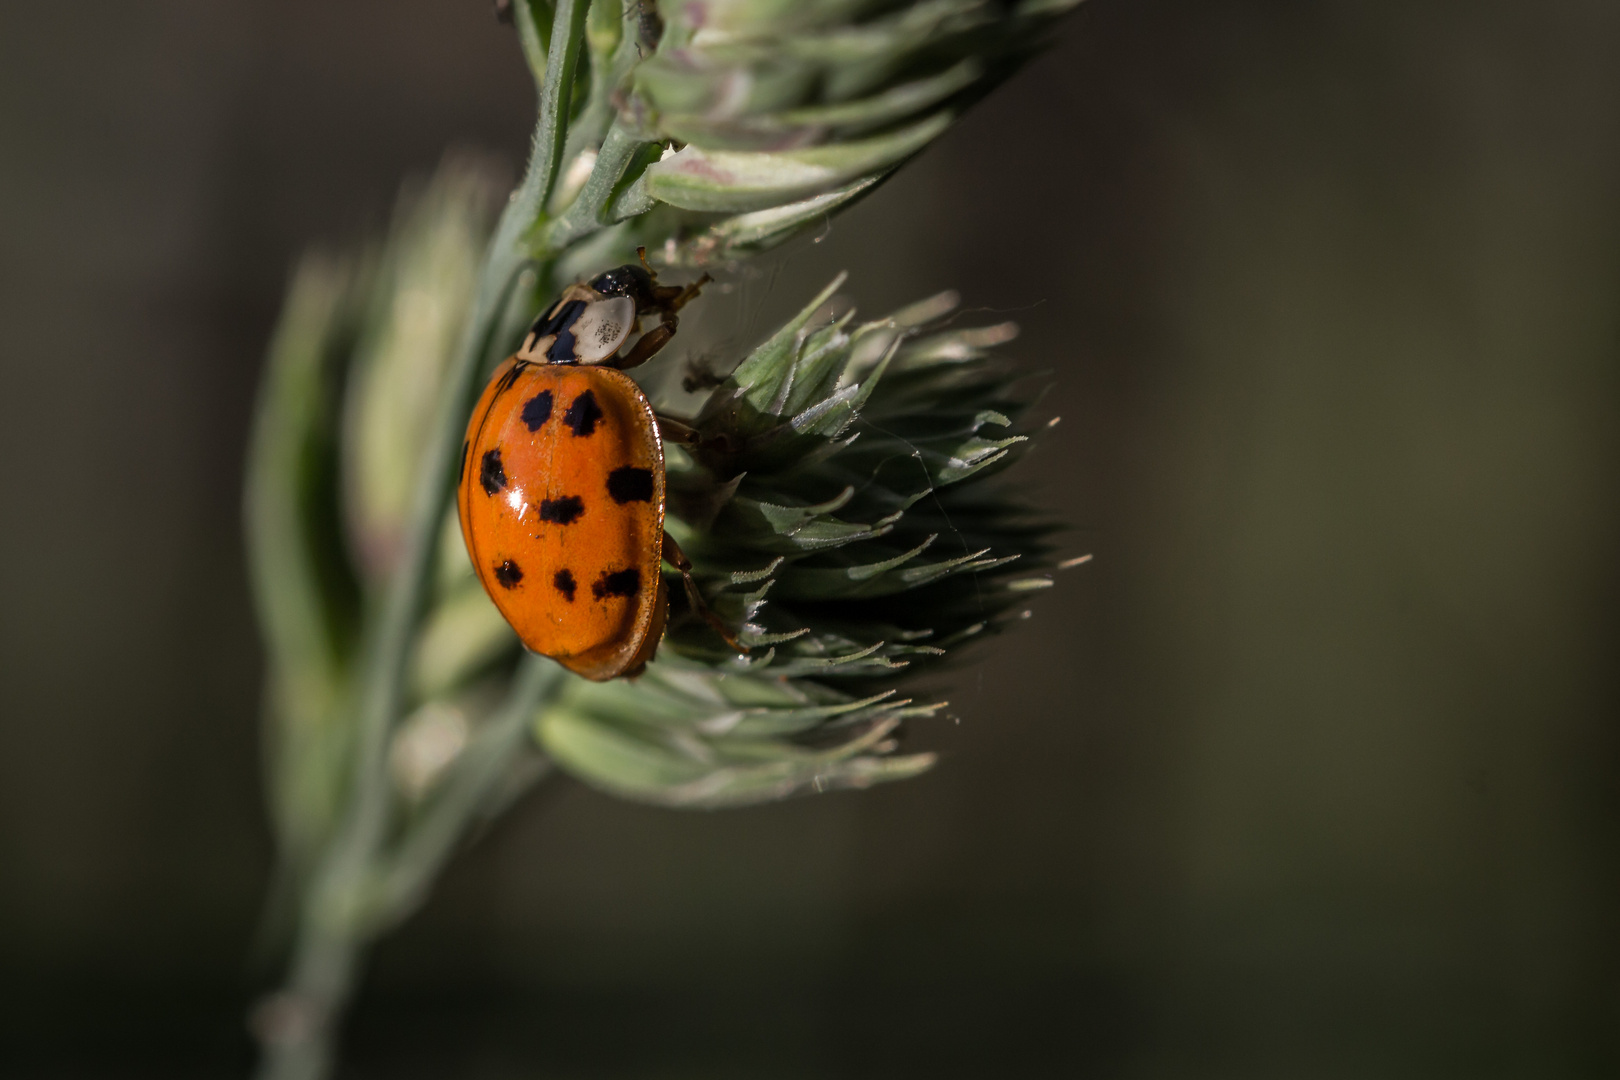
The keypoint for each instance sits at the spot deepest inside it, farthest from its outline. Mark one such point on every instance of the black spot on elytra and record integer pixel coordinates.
(490, 473)
(508, 574)
(537, 410)
(617, 583)
(564, 581)
(630, 484)
(563, 511)
(583, 414)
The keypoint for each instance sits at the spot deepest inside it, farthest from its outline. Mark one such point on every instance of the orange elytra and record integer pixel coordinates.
(561, 490)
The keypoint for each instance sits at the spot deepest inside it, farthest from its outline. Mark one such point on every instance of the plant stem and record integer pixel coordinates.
(464, 794)
(344, 907)
(299, 1025)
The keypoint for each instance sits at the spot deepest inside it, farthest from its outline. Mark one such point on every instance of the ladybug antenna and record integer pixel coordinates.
(641, 253)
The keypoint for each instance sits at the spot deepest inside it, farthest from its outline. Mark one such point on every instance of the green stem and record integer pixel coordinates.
(341, 913)
(464, 794)
(299, 1025)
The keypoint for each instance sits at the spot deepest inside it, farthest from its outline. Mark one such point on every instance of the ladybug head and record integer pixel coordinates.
(628, 280)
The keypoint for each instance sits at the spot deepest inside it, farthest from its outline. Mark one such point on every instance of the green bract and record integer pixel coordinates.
(837, 512)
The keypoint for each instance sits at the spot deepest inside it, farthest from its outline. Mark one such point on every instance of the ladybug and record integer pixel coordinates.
(561, 489)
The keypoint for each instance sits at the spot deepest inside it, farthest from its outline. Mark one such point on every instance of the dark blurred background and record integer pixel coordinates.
(1311, 773)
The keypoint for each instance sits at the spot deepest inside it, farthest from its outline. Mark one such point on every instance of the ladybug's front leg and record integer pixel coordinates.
(677, 558)
(673, 297)
(647, 346)
(667, 300)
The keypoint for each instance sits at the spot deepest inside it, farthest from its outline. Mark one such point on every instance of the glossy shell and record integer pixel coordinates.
(561, 498)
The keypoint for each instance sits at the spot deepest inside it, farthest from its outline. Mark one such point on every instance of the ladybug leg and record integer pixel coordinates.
(670, 298)
(666, 301)
(674, 297)
(677, 558)
(646, 346)
(675, 431)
